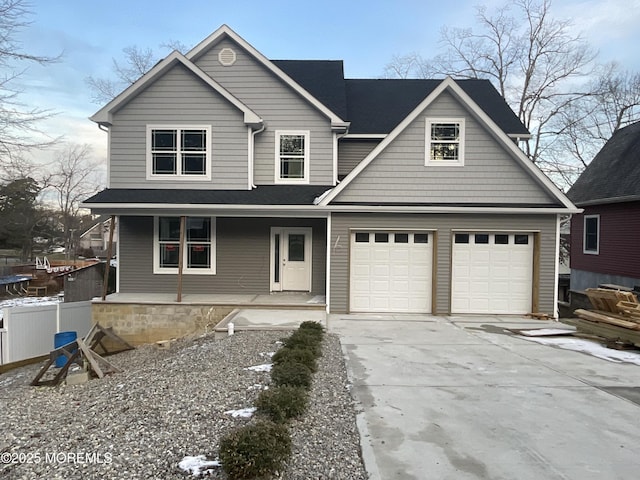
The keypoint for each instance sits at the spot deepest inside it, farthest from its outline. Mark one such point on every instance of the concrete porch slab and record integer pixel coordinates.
(269, 319)
(287, 299)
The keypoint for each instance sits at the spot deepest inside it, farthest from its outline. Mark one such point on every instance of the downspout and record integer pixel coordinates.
(336, 138)
(104, 128)
(252, 141)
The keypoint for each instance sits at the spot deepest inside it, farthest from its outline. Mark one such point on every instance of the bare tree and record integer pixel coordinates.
(535, 61)
(136, 62)
(613, 103)
(18, 122)
(73, 177)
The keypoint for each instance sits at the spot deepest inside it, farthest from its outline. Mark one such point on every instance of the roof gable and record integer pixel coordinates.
(614, 174)
(224, 31)
(104, 115)
(456, 90)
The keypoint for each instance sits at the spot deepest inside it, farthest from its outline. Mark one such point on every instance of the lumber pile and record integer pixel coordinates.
(615, 315)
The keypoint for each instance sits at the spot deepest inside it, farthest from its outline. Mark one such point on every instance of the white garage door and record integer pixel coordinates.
(391, 272)
(492, 273)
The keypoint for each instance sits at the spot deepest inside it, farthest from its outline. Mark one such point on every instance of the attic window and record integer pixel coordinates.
(227, 57)
(444, 142)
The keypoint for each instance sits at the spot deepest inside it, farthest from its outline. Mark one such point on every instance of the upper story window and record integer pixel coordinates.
(292, 156)
(183, 152)
(198, 256)
(591, 243)
(444, 142)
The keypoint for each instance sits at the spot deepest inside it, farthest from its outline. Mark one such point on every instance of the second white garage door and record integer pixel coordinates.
(492, 273)
(391, 272)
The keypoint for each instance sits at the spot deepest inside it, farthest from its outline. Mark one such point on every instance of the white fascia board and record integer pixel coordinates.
(336, 121)
(317, 210)
(387, 140)
(373, 136)
(299, 211)
(103, 116)
(449, 209)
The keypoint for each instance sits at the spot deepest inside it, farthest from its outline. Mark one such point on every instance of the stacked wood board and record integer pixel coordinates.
(615, 315)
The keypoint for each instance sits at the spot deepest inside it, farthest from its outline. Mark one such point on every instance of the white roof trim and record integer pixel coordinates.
(459, 93)
(323, 210)
(365, 135)
(226, 30)
(104, 115)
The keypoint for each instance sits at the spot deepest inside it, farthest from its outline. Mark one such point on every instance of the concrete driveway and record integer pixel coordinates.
(457, 398)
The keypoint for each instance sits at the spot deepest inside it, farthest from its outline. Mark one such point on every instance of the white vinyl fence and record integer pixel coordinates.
(29, 332)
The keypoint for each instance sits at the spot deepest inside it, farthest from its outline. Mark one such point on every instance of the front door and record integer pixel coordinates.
(291, 259)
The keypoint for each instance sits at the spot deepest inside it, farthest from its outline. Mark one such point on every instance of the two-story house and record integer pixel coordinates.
(381, 195)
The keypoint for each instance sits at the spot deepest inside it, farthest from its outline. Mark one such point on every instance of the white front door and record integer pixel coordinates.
(291, 259)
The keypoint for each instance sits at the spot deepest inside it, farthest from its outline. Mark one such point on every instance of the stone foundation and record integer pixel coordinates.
(149, 323)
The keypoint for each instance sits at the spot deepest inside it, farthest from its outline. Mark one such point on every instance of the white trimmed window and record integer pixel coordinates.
(292, 156)
(199, 253)
(591, 240)
(444, 141)
(183, 152)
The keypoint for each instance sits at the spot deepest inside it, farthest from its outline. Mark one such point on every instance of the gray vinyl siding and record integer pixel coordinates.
(179, 98)
(489, 175)
(443, 225)
(279, 106)
(352, 152)
(242, 257)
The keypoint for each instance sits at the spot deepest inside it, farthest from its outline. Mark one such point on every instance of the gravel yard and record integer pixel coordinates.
(168, 404)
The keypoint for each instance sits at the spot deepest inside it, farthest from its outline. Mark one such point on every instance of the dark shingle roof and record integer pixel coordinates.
(614, 173)
(263, 195)
(377, 106)
(324, 79)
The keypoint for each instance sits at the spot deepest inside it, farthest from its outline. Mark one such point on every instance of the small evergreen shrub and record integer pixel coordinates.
(304, 356)
(282, 403)
(291, 373)
(304, 339)
(312, 327)
(255, 450)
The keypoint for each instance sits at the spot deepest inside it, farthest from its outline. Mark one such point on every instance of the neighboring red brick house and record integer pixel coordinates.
(605, 238)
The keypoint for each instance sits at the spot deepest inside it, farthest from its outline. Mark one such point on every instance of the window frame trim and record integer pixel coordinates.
(429, 121)
(584, 234)
(307, 143)
(179, 175)
(158, 270)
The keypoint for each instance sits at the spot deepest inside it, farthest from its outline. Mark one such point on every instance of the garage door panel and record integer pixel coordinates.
(390, 276)
(492, 277)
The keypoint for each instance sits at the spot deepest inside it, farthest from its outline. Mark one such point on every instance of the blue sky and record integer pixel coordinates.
(365, 34)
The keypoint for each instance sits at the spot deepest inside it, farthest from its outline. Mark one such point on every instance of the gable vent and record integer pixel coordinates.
(227, 57)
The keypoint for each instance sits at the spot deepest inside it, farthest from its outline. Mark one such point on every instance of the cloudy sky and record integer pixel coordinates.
(365, 34)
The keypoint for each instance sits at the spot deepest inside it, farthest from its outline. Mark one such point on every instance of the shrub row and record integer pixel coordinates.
(262, 448)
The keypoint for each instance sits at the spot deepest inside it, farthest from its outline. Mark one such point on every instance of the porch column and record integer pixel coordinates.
(107, 267)
(180, 260)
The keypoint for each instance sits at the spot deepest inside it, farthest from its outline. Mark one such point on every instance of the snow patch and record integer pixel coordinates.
(589, 347)
(541, 332)
(27, 302)
(257, 386)
(241, 413)
(267, 354)
(198, 465)
(265, 367)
